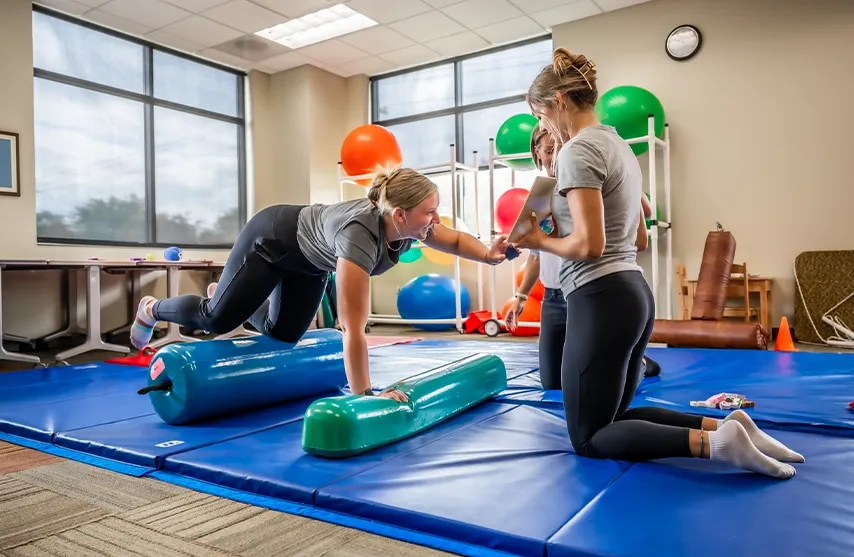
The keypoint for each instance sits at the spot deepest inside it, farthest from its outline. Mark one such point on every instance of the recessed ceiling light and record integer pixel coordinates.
(318, 26)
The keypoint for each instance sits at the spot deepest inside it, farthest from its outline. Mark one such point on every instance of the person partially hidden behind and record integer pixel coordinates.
(610, 307)
(277, 270)
(545, 266)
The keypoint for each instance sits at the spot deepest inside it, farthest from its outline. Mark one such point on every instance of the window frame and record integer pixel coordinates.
(149, 102)
(459, 109)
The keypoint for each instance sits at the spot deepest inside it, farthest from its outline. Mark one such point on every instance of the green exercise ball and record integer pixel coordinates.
(514, 138)
(627, 108)
(411, 255)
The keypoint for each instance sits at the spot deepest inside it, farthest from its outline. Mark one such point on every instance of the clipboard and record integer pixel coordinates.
(539, 201)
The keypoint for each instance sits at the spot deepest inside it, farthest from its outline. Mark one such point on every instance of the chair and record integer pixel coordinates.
(739, 287)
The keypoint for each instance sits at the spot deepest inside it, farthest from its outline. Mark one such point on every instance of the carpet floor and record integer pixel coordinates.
(55, 507)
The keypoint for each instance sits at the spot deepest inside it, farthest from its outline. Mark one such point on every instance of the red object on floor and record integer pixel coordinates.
(851, 405)
(142, 359)
(375, 341)
(476, 320)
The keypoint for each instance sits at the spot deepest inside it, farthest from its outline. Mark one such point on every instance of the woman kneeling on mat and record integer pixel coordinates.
(610, 308)
(545, 266)
(276, 273)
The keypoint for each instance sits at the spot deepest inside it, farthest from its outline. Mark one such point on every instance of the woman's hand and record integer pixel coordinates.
(511, 318)
(498, 251)
(533, 239)
(393, 394)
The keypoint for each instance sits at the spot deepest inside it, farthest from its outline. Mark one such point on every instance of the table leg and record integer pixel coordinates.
(71, 303)
(93, 320)
(12, 356)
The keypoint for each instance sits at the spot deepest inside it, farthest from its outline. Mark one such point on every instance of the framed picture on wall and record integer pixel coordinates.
(10, 174)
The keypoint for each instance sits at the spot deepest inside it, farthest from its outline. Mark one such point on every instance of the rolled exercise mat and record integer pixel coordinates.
(343, 426)
(710, 334)
(194, 381)
(715, 271)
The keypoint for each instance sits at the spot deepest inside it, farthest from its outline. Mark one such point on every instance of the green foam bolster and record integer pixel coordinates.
(342, 426)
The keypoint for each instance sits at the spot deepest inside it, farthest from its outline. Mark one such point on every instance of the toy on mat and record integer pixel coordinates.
(851, 405)
(724, 401)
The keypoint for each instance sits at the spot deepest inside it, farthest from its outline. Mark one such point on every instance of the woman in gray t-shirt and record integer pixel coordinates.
(610, 309)
(277, 270)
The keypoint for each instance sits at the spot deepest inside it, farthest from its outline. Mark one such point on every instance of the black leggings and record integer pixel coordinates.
(611, 321)
(553, 323)
(552, 337)
(266, 259)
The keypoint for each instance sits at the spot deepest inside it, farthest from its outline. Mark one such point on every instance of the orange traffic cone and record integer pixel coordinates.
(784, 341)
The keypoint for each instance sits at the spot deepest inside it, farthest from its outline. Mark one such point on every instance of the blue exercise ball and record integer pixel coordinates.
(432, 296)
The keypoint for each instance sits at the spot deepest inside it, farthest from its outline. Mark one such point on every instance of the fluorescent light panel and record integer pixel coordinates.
(318, 26)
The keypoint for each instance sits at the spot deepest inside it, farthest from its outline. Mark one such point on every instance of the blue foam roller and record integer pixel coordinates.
(194, 381)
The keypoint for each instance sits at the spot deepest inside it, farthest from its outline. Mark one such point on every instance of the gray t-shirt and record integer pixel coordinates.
(351, 230)
(599, 158)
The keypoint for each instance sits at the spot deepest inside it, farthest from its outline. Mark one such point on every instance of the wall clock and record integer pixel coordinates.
(683, 43)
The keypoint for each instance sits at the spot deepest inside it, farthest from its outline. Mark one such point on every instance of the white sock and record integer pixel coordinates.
(212, 289)
(730, 443)
(764, 442)
(143, 326)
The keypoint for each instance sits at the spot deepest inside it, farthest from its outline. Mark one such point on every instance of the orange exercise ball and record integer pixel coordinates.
(530, 314)
(538, 292)
(368, 148)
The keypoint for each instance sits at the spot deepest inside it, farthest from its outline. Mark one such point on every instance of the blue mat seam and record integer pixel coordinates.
(587, 505)
(340, 519)
(77, 456)
(160, 461)
(64, 431)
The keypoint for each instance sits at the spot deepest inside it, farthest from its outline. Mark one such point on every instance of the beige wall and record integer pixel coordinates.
(760, 121)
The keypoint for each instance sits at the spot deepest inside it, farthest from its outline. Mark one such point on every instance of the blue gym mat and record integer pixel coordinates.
(793, 391)
(500, 478)
(702, 509)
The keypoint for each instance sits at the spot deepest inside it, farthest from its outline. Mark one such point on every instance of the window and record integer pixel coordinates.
(135, 145)
(462, 102)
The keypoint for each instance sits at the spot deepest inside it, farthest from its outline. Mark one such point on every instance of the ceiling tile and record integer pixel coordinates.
(370, 66)
(511, 30)
(90, 3)
(196, 6)
(376, 40)
(244, 15)
(566, 13)
(252, 48)
(477, 13)
(117, 23)
(286, 61)
(428, 26)
(332, 52)
(222, 57)
(441, 3)
(296, 8)
(532, 6)
(411, 56)
(384, 11)
(165, 39)
(151, 13)
(610, 5)
(203, 31)
(455, 45)
(67, 6)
